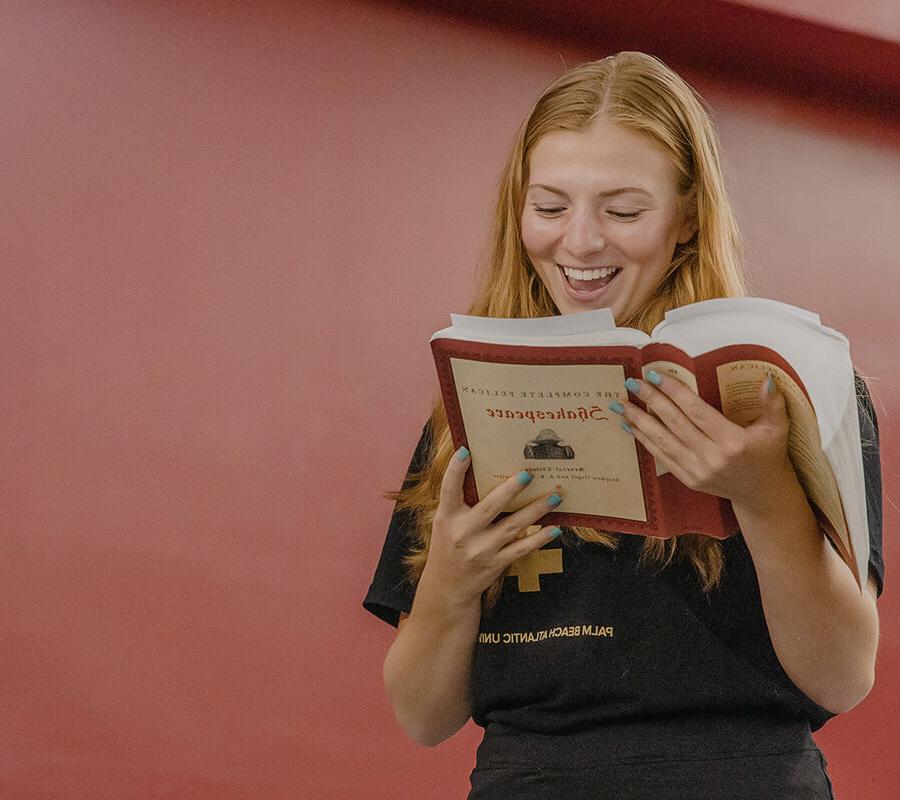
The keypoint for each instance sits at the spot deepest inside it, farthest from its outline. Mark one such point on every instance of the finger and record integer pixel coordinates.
(647, 428)
(528, 544)
(499, 497)
(703, 417)
(451, 497)
(653, 446)
(510, 526)
(663, 415)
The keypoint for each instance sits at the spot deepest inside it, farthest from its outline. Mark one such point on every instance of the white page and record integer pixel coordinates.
(561, 325)
(760, 304)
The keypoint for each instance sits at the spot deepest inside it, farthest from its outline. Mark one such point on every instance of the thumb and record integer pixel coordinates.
(771, 399)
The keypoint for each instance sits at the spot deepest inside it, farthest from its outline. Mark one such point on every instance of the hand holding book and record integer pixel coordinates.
(701, 447)
(469, 547)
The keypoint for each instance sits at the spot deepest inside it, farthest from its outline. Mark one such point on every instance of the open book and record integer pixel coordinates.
(533, 394)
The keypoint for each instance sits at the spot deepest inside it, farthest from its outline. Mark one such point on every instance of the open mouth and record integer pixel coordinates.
(588, 284)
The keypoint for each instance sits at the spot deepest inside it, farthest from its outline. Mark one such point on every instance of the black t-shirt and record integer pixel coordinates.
(597, 639)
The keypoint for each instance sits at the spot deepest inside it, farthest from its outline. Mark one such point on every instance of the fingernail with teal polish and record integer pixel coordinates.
(627, 428)
(616, 406)
(654, 378)
(462, 454)
(554, 500)
(555, 532)
(632, 385)
(771, 385)
(524, 478)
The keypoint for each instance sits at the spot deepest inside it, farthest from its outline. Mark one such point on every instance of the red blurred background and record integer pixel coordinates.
(227, 231)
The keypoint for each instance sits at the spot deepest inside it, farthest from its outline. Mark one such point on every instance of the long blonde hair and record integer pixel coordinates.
(638, 92)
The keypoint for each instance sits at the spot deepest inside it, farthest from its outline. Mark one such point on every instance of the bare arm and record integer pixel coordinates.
(427, 671)
(824, 631)
(428, 668)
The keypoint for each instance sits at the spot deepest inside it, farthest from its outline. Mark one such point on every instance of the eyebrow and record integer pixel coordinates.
(610, 193)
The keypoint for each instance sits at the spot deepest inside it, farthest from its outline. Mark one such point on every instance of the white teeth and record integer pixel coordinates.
(588, 274)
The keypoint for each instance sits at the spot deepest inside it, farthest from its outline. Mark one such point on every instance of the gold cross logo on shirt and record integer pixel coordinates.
(528, 569)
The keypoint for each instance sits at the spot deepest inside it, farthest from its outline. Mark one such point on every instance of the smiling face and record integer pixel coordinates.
(604, 197)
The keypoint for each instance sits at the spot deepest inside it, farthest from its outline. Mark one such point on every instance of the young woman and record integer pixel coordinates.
(687, 667)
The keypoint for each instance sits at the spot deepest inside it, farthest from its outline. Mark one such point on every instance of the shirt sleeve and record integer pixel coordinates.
(390, 591)
(868, 432)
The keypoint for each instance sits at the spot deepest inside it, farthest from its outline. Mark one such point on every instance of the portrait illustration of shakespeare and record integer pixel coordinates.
(548, 445)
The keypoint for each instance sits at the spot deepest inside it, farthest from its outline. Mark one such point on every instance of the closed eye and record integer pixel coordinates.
(552, 212)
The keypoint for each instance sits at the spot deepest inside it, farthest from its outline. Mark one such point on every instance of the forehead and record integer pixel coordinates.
(604, 156)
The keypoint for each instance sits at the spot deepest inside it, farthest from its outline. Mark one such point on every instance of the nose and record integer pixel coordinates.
(583, 236)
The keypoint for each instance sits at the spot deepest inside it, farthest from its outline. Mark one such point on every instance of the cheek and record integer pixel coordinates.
(647, 245)
(535, 236)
